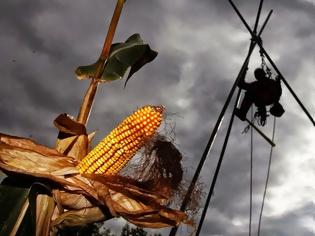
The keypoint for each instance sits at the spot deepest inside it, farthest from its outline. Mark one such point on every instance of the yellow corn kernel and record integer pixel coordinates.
(116, 149)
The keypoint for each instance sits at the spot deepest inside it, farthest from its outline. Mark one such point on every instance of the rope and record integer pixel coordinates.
(251, 177)
(267, 179)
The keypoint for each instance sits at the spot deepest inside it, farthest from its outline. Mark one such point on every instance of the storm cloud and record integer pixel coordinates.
(202, 45)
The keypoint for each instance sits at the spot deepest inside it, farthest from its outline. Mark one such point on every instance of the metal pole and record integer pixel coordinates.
(205, 209)
(210, 142)
(216, 173)
(264, 25)
(287, 84)
(256, 38)
(261, 133)
(216, 127)
(258, 16)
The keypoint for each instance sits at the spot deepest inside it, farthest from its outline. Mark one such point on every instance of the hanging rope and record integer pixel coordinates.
(267, 179)
(264, 64)
(251, 177)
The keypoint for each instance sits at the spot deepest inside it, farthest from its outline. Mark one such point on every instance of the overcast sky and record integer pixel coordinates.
(201, 45)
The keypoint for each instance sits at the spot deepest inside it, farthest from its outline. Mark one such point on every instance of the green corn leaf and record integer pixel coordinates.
(13, 197)
(18, 201)
(147, 57)
(87, 72)
(133, 54)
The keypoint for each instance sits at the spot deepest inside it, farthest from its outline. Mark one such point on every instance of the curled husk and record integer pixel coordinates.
(82, 199)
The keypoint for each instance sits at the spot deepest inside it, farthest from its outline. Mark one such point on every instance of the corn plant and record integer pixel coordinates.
(70, 186)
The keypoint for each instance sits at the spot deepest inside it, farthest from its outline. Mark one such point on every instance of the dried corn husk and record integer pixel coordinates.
(122, 196)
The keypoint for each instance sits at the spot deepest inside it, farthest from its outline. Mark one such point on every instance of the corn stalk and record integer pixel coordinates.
(86, 195)
(87, 103)
(78, 147)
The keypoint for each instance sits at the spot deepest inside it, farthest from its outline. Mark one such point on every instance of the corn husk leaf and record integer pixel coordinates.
(45, 206)
(79, 217)
(71, 201)
(122, 197)
(67, 124)
(26, 143)
(72, 139)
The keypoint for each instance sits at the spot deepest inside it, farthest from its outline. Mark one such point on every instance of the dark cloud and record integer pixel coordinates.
(201, 45)
(23, 22)
(287, 224)
(16, 21)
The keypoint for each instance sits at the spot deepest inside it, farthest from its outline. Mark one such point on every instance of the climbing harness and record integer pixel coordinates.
(261, 115)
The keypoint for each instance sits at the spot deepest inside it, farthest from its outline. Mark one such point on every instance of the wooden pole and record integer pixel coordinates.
(261, 133)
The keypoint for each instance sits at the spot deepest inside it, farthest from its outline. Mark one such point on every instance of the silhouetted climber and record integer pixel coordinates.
(263, 92)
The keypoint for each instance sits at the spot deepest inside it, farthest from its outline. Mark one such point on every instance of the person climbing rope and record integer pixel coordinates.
(262, 92)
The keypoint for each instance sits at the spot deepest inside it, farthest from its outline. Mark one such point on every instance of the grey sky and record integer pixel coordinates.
(201, 46)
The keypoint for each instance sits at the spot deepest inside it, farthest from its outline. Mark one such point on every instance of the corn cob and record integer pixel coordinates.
(116, 149)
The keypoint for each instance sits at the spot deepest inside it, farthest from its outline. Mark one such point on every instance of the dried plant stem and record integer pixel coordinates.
(20, 218)
(89, 96)
(87, 103)
(45, 206)
(112, 29)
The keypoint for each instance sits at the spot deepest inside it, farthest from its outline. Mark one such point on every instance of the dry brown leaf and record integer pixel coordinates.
(72, 139)
(79, 217)
(71, 200)
(91, 137)
(68, 125)
(80, 148)
(24, 161)
(139, 206)
(164, 218)
(120, 195)
(26, 143)
(73, 146)
(129, 187)
(65, 143)
(45, 206)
